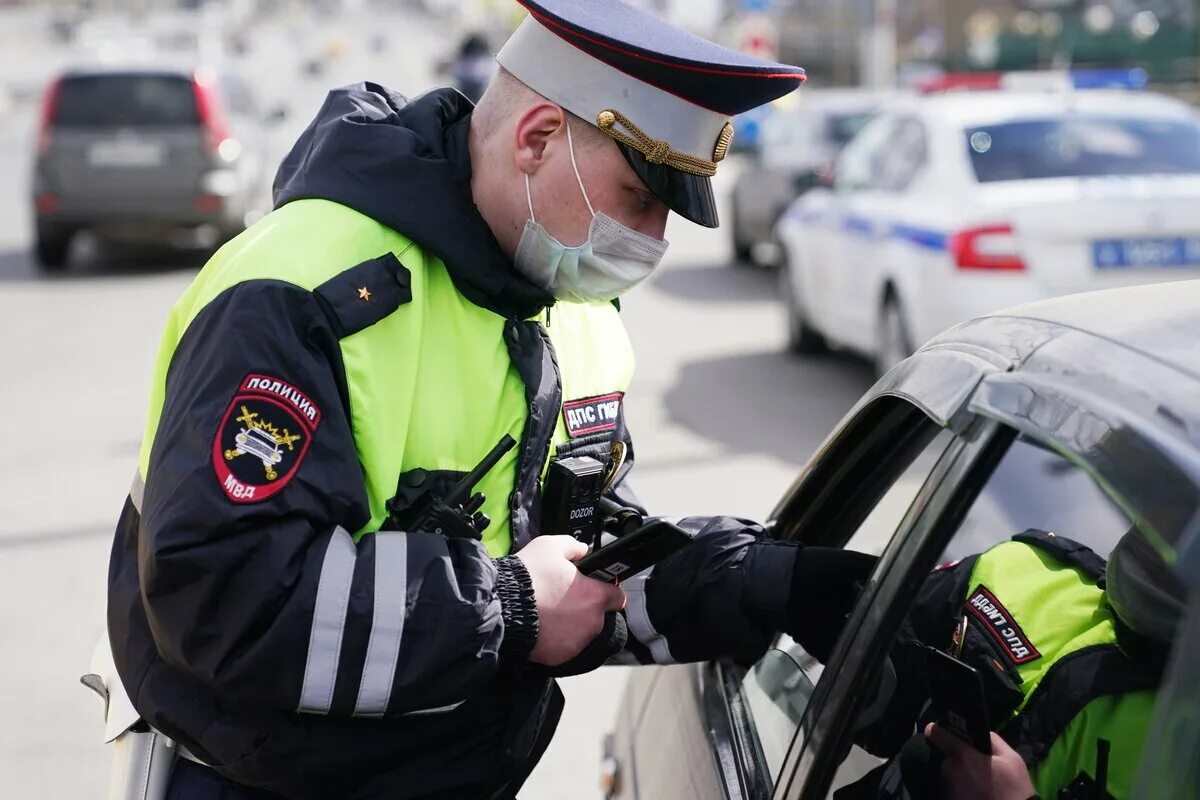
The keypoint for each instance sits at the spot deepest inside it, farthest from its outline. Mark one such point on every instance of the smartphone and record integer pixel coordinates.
(633, 552)
(956, 695)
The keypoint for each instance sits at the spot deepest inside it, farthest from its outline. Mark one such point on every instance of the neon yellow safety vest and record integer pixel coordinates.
(432, 385)
(1054, 618)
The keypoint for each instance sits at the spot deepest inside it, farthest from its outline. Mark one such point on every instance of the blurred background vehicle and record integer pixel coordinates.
(955, 203)
(146, 155)
(796, 141)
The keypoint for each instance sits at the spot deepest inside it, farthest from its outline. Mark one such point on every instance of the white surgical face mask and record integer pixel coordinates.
(613, 260)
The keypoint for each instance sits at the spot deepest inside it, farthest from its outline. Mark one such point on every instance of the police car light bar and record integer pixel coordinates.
(1134, 78)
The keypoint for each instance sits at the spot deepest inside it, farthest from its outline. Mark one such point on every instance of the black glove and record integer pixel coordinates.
(610, 642)
(826, 583)
(723, 595)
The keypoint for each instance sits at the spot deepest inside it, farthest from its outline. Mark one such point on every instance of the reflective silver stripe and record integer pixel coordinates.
(639, 618)
(137, 491)
(329, 620)
(387, 624)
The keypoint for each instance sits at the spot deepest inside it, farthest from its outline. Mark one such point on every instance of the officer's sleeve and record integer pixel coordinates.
(730, 592)
(888, 720)
(251, 578)
(715, 598)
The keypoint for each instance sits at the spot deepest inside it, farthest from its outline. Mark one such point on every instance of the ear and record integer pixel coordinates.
(535, 128)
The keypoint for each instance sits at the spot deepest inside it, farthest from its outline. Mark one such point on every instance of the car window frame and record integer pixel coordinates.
(889, 425)
(732, 732)
(817, 510)
(940, 504)
(814, 761)
(1000, 404)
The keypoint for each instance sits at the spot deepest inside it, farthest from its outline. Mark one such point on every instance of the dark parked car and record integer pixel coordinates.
(1077, 415)
(147, 154)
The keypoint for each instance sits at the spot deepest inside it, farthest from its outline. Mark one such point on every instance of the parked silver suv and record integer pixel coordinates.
(147, 154)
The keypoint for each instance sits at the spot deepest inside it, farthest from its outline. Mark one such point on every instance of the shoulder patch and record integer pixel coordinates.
(988, 610)
(263, 436)
(366, 293)
(592, 414)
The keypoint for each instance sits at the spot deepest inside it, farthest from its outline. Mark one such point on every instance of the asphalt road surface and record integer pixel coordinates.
(723, 420)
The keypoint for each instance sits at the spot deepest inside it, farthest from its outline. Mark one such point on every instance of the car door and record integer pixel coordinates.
(874, 269)
(850, 229)
(736, 747)
(990, 485)
(890, 483)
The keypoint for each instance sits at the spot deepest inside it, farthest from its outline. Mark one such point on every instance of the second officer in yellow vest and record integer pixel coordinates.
(419, 293)
(1070, 650)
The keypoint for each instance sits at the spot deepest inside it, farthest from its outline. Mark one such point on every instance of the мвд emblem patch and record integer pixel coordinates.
(264, 435)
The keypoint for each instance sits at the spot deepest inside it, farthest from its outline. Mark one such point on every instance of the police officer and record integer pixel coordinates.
(434, 277)
(1071, 650)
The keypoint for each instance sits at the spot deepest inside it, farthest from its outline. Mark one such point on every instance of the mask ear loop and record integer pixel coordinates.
(529, 197)
(571, 147)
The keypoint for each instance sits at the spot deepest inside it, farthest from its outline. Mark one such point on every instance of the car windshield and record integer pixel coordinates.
(1082, 145)
(103, 101)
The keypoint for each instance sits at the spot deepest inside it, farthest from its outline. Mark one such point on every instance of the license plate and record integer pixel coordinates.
(1171, 251)
(125, 153)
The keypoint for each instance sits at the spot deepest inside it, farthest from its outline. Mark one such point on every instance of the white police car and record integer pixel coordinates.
(953, 204)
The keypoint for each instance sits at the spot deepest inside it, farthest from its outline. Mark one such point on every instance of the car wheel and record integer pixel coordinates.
(802, 338)
(51, 248)
(892, 342)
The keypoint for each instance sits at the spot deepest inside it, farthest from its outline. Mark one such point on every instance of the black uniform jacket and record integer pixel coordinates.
(211, 602)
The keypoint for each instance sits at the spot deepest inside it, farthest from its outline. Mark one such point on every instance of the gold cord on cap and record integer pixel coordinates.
(723, 142)
(656, 151)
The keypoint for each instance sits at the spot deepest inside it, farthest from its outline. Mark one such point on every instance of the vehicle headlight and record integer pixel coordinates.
(221, 182)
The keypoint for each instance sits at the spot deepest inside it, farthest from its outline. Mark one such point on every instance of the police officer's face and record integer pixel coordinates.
(543, 153)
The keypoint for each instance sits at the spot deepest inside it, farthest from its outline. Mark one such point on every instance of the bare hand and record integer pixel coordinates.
(571, 606)
(968, 774)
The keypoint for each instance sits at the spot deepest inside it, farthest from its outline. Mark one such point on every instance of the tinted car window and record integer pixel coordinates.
(100, 101)
(1030, 487)
(1083, 145)
(1035, 488)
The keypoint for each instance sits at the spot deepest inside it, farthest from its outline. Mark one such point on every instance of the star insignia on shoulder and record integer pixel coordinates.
(364, 294)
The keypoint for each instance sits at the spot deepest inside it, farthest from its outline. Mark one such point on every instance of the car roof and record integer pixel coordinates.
(1109, 379)
(1159, 320)
(132, 68)
(969, 109)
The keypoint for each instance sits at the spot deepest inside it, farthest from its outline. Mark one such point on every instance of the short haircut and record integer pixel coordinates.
(507, 96)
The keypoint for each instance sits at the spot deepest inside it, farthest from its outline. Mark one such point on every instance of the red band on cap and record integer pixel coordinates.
(550, 23)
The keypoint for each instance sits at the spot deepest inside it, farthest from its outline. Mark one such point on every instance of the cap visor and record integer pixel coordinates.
(689, 196)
